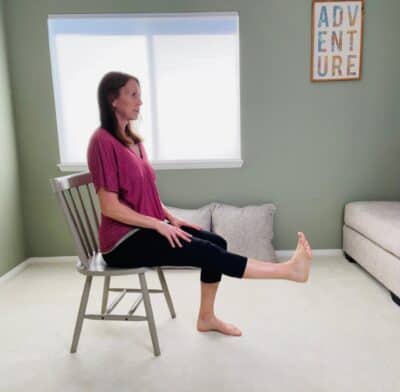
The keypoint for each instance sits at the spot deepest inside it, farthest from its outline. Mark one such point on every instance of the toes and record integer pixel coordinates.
(234, 329)
(303, 242)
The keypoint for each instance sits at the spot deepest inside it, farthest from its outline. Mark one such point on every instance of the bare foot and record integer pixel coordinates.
(301, 260)
(215, 324)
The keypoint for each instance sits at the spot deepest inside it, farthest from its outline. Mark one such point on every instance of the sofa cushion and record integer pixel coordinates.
(200, 216)
(379, 221)
(248, 230)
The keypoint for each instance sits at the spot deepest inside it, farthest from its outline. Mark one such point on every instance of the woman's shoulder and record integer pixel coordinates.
(101, 142)
(101, 133)
(102, 137)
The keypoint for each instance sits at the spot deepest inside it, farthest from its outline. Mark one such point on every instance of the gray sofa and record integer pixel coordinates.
(371, 238)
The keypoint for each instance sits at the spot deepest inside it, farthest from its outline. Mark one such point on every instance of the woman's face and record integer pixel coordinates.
(127, 105)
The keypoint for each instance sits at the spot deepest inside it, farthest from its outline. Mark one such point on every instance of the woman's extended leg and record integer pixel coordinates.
(296, 269)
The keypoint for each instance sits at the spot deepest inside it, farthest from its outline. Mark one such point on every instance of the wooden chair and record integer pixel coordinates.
(78, 200)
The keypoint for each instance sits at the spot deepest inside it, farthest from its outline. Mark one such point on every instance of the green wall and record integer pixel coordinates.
(309, 148)
(11, 238)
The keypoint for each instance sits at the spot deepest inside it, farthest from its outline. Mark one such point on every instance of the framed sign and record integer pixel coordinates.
(336, 40)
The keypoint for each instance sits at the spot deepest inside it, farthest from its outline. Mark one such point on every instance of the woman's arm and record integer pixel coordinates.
(112, 208)
(167, 213)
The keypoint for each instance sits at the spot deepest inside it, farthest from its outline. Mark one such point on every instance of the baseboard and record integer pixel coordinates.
(53, 259)
(285, 254)
(280, 254)
(14, 271)
(30, 260)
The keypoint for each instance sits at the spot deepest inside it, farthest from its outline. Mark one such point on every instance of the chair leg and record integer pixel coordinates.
(167, 294)
(106, 287)
(149, 313)
(81, 313)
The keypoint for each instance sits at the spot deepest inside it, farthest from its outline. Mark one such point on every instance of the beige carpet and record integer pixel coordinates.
(338, 332)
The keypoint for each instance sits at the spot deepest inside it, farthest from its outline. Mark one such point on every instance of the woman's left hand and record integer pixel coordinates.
(178, 222)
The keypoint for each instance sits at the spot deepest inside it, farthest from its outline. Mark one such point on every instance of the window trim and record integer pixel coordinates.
(167, 165)
(140, 14)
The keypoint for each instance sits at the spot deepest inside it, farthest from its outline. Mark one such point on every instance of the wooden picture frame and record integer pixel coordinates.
(336, 40)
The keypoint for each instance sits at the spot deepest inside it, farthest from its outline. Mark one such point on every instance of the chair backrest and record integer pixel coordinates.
(78, 200)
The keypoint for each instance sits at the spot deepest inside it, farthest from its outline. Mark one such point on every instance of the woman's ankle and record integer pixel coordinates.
(204, 316)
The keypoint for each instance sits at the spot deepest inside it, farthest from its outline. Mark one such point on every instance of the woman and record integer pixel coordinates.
(137, 230)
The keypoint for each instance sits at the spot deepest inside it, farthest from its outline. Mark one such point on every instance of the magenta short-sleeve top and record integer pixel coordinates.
(119, 169)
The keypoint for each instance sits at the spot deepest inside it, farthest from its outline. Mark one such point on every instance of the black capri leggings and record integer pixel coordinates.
(207, 250)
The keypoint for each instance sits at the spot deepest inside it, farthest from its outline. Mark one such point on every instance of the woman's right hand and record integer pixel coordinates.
(172, 233)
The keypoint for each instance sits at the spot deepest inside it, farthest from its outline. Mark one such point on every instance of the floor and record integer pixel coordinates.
(337, 332)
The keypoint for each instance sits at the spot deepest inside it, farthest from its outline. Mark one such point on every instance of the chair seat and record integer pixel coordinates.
(97, 266)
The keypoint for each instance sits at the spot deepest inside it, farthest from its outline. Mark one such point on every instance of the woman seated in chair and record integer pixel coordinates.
(138, 231)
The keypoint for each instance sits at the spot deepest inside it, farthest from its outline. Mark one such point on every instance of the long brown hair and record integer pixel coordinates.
(108, 90)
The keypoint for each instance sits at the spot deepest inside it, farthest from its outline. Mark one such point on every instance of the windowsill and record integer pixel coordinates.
(167, 165)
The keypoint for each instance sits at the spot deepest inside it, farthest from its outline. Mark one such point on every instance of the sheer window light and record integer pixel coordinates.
(188, 67)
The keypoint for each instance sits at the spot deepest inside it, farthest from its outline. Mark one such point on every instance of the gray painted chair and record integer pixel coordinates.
(78, 200)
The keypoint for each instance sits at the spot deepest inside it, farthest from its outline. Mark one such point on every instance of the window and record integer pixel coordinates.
(188, 67)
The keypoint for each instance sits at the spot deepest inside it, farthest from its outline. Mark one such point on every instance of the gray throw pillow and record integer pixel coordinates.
(200, 216)
(248, 230)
